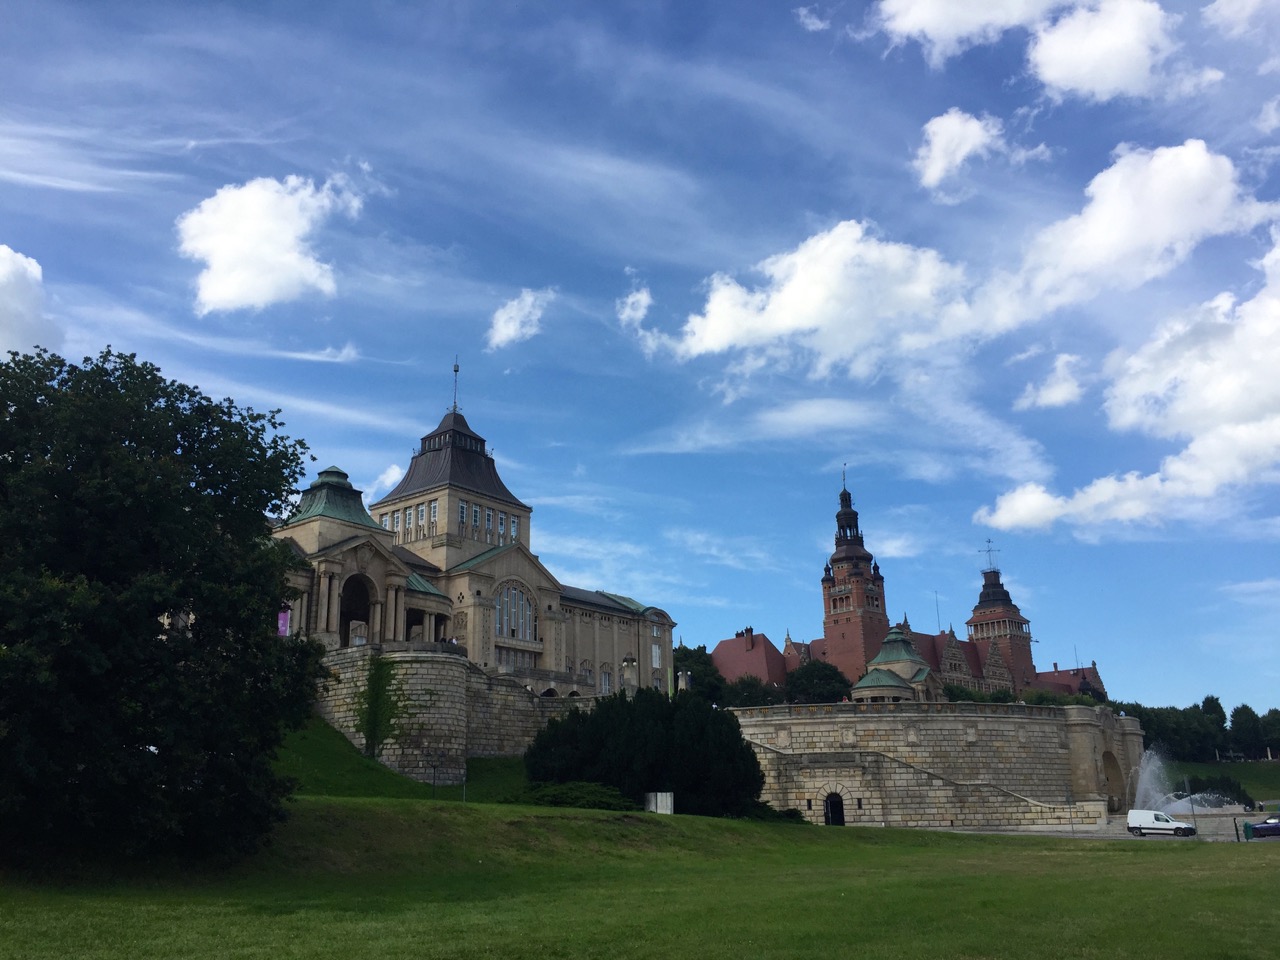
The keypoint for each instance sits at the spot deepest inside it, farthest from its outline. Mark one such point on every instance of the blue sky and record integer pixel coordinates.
(1016, 264)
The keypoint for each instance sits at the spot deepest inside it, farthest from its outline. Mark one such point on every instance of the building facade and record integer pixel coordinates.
(994, 656)
(446, 571)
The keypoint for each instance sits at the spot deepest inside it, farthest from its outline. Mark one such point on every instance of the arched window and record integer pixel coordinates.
(515, 613)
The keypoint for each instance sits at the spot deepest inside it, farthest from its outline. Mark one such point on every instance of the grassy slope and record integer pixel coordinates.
(354, 877)
(1261, 779)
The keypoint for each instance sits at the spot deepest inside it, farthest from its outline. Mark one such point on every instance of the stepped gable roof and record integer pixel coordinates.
(332, 496)
(750, 654)
(453, 455)
(930, 647)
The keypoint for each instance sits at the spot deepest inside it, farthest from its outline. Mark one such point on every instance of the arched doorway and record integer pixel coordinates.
(1114, 787)
(356, 604)
(833, 810)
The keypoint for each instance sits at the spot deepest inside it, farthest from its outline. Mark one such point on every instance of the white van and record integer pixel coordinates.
(1153, 821)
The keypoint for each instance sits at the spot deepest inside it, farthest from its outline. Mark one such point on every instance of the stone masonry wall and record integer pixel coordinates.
(503, 717)
(925, 764)
(452, 709)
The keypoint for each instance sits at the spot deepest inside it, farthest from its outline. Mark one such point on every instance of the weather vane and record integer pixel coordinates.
(990, 551)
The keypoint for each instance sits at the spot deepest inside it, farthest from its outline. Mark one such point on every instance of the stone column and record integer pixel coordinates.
(375, 623)
(399, 608)
(322, 607)
(335, 604)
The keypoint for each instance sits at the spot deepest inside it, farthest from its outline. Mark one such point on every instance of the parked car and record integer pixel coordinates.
(1142, 822)
(1269, 827)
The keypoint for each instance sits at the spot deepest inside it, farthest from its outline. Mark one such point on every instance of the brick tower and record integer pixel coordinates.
(997, 622)
(854, 623)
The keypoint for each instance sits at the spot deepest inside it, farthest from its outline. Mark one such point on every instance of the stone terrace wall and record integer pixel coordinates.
(925, 764)
(503, 717)
(453, 709)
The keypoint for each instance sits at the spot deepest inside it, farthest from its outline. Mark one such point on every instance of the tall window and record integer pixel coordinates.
(502, 523)
(657, 656)
(475, 516)
(384, 520)
(515, 613)
(488, 519)
(515, 528)
(462, 514)
(435, 511)
(422, 515)
(606, 682)
(395, 521)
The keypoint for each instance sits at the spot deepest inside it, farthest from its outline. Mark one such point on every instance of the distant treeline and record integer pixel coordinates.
(1200, 733)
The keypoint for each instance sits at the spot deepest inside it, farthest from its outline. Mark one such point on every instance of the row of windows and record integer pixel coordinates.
(516, 659)
(517, 617)
(476, 511)
(427, 515)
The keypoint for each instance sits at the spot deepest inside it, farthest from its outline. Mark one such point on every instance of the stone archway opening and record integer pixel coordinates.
(833, 810)
(549, 692)
(1114, 786)
(355, 607)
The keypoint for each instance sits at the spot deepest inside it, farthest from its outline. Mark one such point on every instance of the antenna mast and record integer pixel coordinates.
(455, 384)
(990, 551)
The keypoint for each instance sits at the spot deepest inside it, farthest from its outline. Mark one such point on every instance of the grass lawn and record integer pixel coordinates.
(357, 878)
(1260, 778)
(368, 866)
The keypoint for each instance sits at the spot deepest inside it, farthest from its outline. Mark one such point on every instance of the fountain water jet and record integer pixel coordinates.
(1156, 791)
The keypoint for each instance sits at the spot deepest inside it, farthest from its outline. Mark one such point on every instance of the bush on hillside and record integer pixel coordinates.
(650, 742)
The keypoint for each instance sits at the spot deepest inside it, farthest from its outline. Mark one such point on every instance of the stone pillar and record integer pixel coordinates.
(322, 608)
(398, 593)
(335, 604)
(375, 623)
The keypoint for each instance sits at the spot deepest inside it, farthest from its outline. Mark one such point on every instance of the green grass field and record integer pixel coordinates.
(406, 877)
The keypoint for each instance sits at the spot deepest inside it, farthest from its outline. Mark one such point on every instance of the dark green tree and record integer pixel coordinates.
(652, 743)
(143, 691)
(750, 691)
(704, 679)
(1246, 732)
(817, 682)
(1271, 731)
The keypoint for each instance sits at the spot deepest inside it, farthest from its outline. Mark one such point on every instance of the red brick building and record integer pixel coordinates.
(994, 655)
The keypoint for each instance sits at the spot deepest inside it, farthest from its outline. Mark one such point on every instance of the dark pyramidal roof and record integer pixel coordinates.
(453, 455)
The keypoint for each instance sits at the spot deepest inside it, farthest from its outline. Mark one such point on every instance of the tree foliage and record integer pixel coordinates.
(704, 678)
(143, 691)
(817, 682)
(750, 691)
(652, 743)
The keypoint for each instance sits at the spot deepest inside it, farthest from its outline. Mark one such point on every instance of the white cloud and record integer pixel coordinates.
(1144, 216)
(520, 318)
(631, 310)
(1059, 389)
(844, 296)
(738, 553)
(1208, 380)
(1110, 49)
(23, 323)
(1232, 17)
(254, 241)
(950, 140)
(1269, 117)
(947, 27)
(387, 479)
(810, 19)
